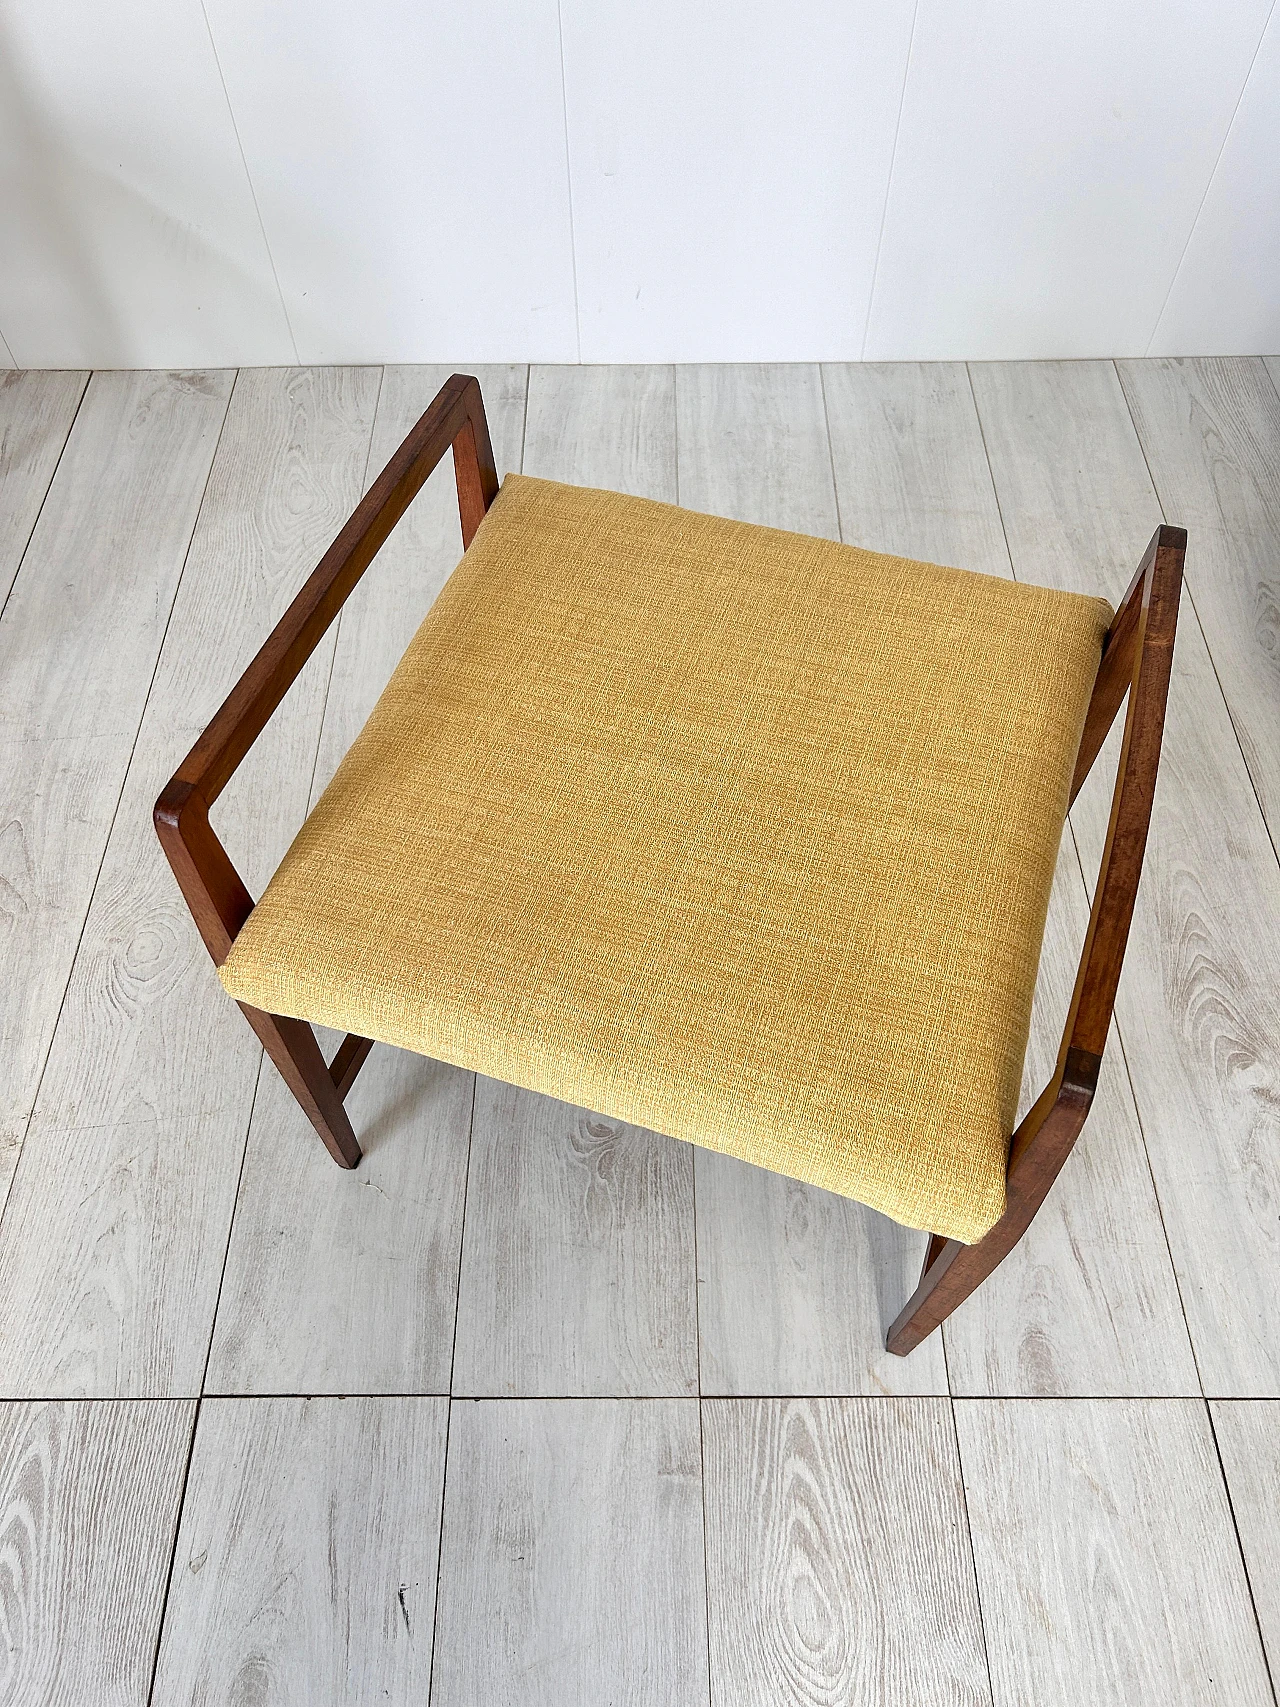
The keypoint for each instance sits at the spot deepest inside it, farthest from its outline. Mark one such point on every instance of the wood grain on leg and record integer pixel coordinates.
(218, 899)
(1087, 1301)
(292, 1045)
(401, 584)
(1048, 1131)
(351, 1055)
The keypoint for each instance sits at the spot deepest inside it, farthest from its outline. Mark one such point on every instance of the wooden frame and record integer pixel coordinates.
(218, 899)
(1137, 656)
(1136, 660)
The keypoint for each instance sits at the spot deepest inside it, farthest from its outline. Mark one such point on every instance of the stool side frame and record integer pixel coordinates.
(212, 887)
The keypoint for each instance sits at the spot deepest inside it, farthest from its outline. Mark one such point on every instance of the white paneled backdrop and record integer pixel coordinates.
(208, 182)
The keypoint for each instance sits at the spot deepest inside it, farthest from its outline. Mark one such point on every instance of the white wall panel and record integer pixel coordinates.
(1226, 296)
(555, 180)
(1049, 166)
(130, 236)
(409, 162)
(729, 165)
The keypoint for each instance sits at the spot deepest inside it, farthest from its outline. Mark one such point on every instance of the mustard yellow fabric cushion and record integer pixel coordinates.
(739, 835)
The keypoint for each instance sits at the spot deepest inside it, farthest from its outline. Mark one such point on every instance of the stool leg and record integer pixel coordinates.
(292, 1045)
(937, 1244)
(951, 1272)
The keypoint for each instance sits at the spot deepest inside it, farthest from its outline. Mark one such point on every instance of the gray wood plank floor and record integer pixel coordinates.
(571, 1561)
(88, 1506)
(837, 1554)
(123, 1194)
(294, 1505)
(534, 1406)
(1248, 1436)
(1202, 979)
(1106, 1558)
(36, 412)
(79, 639)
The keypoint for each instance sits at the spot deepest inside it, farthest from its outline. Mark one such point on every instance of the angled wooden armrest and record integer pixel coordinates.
(213, 889)
(1137, 657)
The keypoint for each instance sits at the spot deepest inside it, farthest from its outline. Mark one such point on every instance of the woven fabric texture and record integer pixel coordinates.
(735, 834)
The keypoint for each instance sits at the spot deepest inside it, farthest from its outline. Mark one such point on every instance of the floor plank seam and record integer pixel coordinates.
(991, 473)
(524, 419)
(840, 1398)
(213, 1328)
(22, 556)
(706, 1560)
(462, 1242)
(1146, 1152)
(831, 454)
(1244, 1561)
(337, 627)
(675, 426)
(1235, 729)
(702, 1432)
(173, 1551)
(124, 783)
(1189, 583)
(973, 1557)
(444, 1493)
(231, 1224)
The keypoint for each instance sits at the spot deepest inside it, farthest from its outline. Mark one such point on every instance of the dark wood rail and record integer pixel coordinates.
(209, 881)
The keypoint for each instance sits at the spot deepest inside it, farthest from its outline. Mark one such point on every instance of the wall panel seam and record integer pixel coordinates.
(888, 183)
(568, 174)
(248, 177)
(1222, 149)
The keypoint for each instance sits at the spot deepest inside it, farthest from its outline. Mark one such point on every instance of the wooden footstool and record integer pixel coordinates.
(735, 834)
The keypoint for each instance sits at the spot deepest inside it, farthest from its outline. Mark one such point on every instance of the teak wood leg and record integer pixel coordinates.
(218, 899)
(352, 1054)
(292, 1045)
(1040, 1146)
(1137, 657)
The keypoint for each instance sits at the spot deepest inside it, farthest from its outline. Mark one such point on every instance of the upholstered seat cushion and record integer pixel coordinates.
(736, 834)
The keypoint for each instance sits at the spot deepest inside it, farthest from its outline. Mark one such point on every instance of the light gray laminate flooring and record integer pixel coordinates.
(534, 1406)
